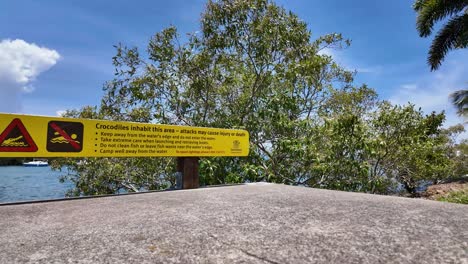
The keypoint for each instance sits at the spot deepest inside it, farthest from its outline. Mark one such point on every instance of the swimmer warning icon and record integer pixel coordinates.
(15, 138)
(64, 136)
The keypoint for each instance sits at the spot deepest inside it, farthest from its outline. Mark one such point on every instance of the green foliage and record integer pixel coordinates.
(456, 152)
(408, 147)
(96, 176)
(455, 197)
(254, 66)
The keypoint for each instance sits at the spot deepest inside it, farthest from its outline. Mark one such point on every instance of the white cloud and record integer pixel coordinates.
(409, 87)
(431, 92)
(60, 112)
(372, 69)
(20, 64)
(328, 52)
(339, 58)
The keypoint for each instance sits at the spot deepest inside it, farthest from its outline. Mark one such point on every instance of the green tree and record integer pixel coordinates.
(452, 35)
(254, 65)
(460, 159)
(457, 151)
(341, 142)
(409, 147)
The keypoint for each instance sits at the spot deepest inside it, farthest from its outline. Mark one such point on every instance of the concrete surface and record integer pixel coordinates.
(253, 223)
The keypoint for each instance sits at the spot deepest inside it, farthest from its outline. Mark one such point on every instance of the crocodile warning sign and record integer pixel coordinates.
(39, 136)
(15, 138)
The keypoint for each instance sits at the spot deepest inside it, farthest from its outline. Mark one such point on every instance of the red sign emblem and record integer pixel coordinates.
(64, 136)
(15, 138)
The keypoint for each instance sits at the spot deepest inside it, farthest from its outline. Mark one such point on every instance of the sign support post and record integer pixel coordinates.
(188, 168)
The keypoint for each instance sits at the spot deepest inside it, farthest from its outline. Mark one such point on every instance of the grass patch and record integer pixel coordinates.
(455, 197)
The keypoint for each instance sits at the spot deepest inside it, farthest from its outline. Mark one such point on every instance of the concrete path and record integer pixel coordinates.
(253, 223)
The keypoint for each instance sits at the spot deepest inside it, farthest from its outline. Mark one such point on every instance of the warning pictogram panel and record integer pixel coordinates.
(64, 136)
(15, 138)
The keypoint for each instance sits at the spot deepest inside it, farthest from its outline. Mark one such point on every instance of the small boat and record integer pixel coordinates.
(36, 163)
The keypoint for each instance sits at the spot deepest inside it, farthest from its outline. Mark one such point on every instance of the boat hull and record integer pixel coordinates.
(35, 164)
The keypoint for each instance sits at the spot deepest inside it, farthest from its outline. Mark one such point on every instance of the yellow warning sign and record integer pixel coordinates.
(39, 136)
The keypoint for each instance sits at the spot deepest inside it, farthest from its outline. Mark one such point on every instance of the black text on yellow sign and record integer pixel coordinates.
(38, 136)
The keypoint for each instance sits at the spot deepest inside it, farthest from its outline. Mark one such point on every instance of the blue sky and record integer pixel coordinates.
(56, 55)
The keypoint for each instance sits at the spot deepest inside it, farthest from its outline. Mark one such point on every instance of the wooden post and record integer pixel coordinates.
(188, 167)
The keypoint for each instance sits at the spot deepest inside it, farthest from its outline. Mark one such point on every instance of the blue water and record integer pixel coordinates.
(18, 183)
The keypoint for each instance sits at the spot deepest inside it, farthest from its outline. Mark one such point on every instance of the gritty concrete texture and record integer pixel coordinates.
(253, 223)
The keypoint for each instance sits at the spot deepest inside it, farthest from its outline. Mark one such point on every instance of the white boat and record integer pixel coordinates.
(36, 163)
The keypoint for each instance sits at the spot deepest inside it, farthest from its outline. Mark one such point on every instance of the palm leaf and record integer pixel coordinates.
(419, 4)
(460, 101)
(452, 35)
(432, 11)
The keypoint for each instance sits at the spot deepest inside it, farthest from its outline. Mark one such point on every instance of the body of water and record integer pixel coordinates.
(18, 183)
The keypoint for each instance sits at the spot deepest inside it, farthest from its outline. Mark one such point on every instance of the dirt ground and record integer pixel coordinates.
(438, 190)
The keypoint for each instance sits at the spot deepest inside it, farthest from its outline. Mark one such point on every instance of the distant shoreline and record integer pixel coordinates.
(11, 162)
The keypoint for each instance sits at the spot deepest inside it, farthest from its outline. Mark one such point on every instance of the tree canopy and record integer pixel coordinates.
(256, 66)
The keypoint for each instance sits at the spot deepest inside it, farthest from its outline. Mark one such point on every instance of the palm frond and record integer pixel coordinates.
(460, 101)
(432, 11)
(418, 4)
(452, 35)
